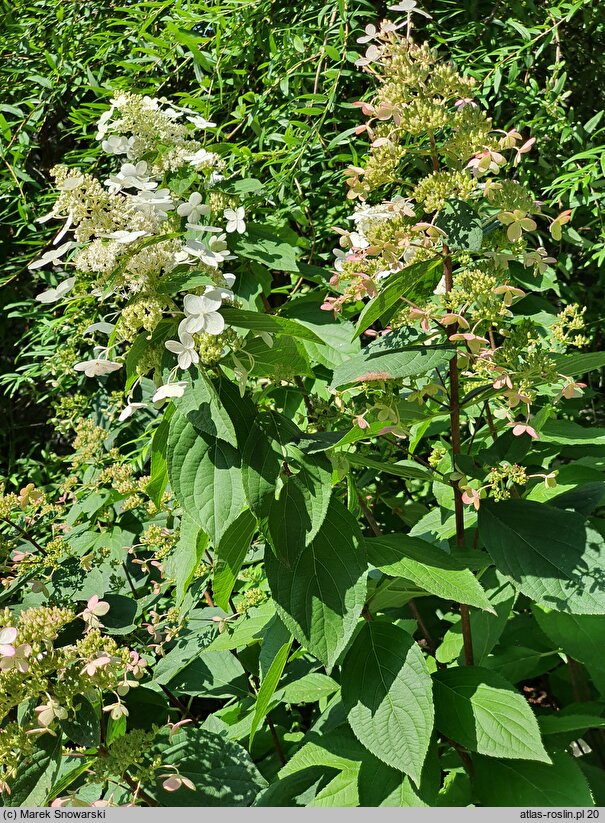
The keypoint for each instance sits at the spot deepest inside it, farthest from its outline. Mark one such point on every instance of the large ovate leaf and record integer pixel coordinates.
(430, 568)
(482, 711)
(202, 407)
(321, 591)
(266, 244)
(230, 554)
(579, 363)
(566, 433)
(550, 554)
(35, 774)
(372, 366)
(581, 636)
(461, 224)
(386, 692)
(298, 513)
(205, 476)
(221, 771)
(514, 783)
(262, 457)
(486, 627)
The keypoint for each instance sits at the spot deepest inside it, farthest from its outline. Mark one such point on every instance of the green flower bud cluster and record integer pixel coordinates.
(570, 320)
(433, 191)
(128, 753)
(503, 477)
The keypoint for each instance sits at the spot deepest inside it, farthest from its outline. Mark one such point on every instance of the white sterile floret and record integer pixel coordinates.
(201, 313)
(52, 295)
(195, 249)
(235, 220)
(53, 256)
(96, 367)
(129, 410)
(193, 209)
(184, 349)
(169, 390)
(358, 240)
(201, 123)
(202, 159)
(117, 144)
(131, 176)
(70, 183)
(158, 202)
(124, 237)
(64, 229)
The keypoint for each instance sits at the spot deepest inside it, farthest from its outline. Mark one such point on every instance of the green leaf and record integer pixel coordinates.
(402, 468)
(567, 433)
(460, 222)
(184, 279)
(268, 686)
(581, 636)
(121, 615)
(297, 515)
(558, 723)
(250, 628)
(486, 628)
(572, 365)
(482, 711)
(35, 774)
(502, 783)
(186, 555)
(321, 594)
(159, 467)
(272, 323)
(368, 367)
(285, 359)
(550, 554)
(264, 244)
(385, 304)
(430, 568)
(308, 689)
(202, 407)
(386, 692)
(84, 729)
(222, 771)
(205, 476)
(212, 674)
(230, 554)
(274, 636)
(262, 458)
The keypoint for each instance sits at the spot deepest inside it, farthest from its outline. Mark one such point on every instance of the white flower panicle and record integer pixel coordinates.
(144, 225)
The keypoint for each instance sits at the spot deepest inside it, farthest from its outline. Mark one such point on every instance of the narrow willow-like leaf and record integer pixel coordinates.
(386, 691)
(267, 688)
